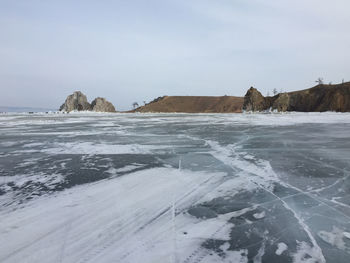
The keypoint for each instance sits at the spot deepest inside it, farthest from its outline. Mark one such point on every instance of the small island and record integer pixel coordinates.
(78, 102)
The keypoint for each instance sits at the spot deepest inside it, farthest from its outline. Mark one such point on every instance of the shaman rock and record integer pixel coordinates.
(76, 102)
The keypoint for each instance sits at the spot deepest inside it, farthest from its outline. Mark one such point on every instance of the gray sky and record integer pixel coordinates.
(137, 50)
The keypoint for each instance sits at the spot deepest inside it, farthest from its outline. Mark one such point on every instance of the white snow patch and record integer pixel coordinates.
(259, 215)
(334, 238)
(33, 144)
(20, 180)
(94, 148)
(29, 161)
(125, 219)
(281, 247)
(248, 157)
(127, 168)
(347, 235)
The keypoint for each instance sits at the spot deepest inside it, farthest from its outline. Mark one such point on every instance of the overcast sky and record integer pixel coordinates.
(136, 50)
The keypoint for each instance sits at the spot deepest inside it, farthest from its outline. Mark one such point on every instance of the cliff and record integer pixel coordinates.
(317, 99)
(194, 104)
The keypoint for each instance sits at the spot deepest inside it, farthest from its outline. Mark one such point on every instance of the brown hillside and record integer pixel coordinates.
(194, 104)
(317, 99)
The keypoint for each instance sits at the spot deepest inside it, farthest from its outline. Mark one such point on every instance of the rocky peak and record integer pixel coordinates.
(254, 100)
(76, 101)
(102, 105)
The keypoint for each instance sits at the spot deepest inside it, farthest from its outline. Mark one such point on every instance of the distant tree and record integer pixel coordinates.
(330, 83)
(274, 91)
(319, 81)
(135, 105)
(268, 94)
(144, 102)
(342, 81)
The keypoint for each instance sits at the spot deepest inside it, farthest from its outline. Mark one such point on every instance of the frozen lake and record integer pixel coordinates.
(175, 188)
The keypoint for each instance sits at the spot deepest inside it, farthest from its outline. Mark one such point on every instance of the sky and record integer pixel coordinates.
(136, 50)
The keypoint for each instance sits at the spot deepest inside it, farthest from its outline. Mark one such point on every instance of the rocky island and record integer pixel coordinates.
(78, 102)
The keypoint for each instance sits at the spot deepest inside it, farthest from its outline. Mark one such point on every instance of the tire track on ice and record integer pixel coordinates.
(182, 203)
(150, 242)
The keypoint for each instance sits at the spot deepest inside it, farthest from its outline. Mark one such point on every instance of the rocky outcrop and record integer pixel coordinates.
(76, 102)
(102, 105)
(317, 99)
(254, 101)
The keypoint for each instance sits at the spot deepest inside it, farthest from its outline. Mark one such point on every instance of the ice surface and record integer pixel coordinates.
(93, 187)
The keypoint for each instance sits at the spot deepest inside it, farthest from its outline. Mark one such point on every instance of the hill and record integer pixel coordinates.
(194, 104)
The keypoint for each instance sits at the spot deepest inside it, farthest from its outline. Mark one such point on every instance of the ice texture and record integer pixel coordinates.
(94, 187)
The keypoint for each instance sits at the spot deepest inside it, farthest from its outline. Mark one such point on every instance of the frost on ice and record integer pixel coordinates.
(175, 188)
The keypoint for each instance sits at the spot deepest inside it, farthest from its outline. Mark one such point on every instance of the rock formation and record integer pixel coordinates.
(77, 101)
(102, 105)
(317, 99)
(254, 101)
